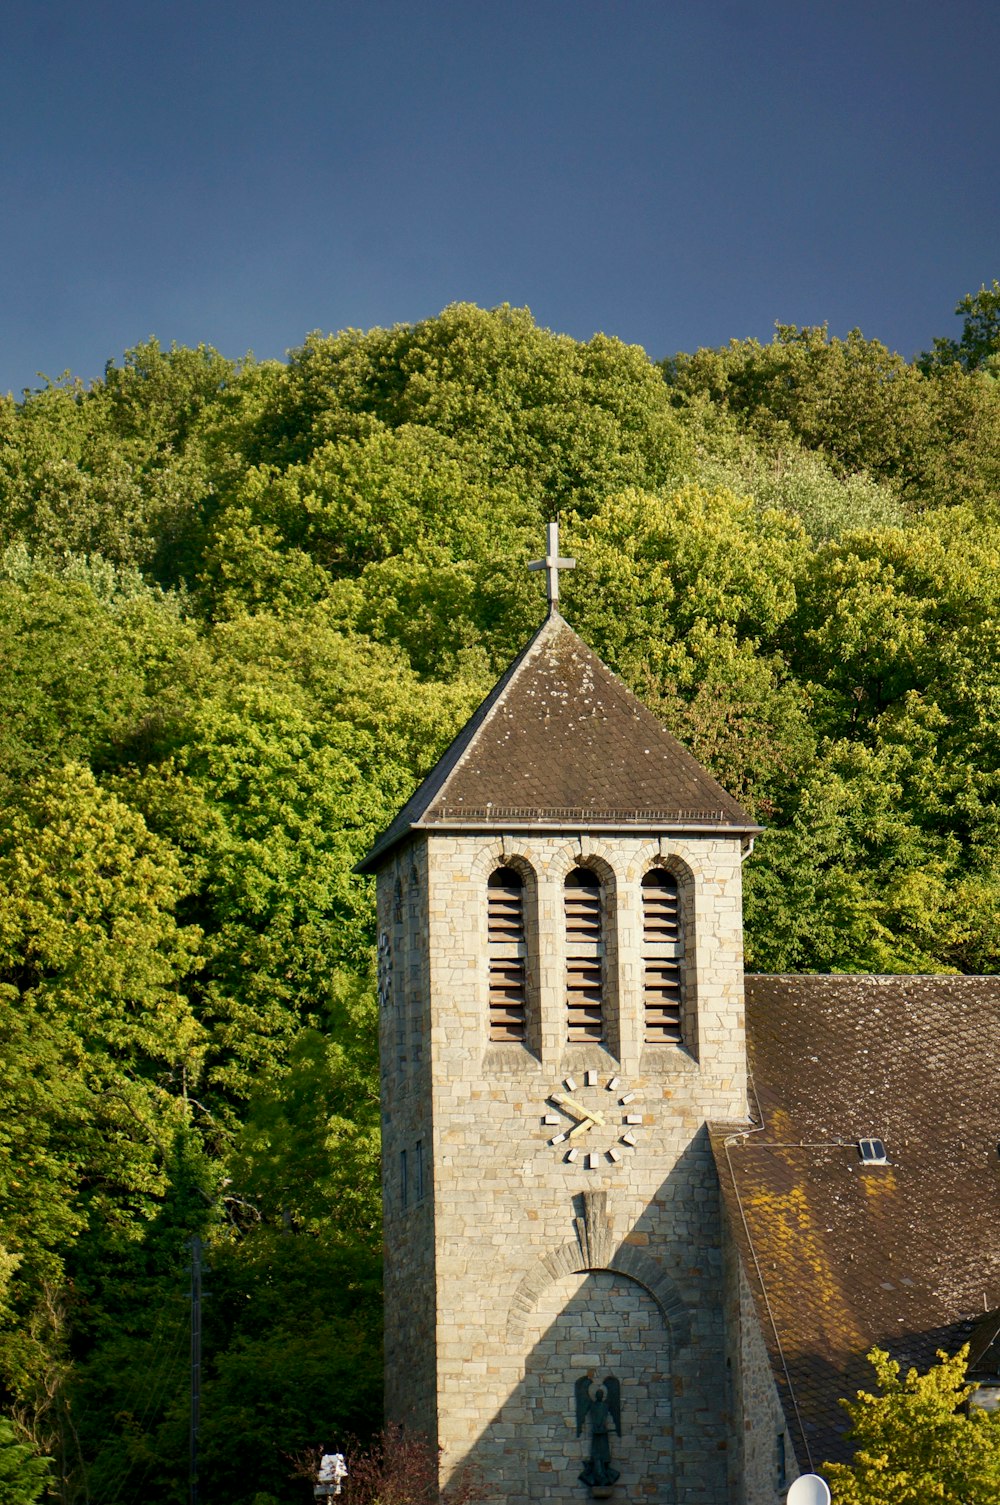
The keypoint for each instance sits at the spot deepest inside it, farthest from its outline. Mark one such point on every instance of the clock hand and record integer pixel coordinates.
(565, 1101)
(582, 1127)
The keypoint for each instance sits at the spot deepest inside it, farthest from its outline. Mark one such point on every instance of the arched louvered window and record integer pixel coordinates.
(584, 956)
(507, 955)
(662, 953)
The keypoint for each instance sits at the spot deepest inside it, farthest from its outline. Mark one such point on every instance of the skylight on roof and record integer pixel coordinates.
(872, 1152)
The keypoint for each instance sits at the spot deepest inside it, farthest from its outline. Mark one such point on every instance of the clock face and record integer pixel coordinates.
(594, 1120)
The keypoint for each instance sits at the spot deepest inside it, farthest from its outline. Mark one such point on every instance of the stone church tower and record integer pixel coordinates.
(561, 991)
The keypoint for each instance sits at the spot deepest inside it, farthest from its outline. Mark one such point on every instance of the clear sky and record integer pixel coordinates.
(674, 172)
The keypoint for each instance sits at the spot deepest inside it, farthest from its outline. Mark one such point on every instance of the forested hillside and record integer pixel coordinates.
(243, 606)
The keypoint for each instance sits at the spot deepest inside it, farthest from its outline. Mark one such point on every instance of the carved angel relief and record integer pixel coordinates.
(599, 1407)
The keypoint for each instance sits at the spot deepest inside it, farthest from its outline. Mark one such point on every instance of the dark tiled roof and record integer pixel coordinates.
(562, 741)
(841, 1257)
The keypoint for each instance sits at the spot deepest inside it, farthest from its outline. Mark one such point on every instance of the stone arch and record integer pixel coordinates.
(585, 851)
(520, 864)
(684, 865)
(594, 1320)
(502, 852)
(572, 1259)
(670, 862)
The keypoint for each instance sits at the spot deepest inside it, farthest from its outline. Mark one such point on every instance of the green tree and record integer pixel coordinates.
(849, 879)
(95, 667)
(298, 1291)
(792, 479)
(292, 1339)
(916, 1440)
(687, 597)
(573, 420)
(418, 463)
(854, 399)
(932, 441)
(979, 342)
(100, 1047)
(23, 1474)
(308, 741)
(243, 608)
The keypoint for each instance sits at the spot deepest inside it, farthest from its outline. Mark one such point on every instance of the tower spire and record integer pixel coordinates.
(552, 563)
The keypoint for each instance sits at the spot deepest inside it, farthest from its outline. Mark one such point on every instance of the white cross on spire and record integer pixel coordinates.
(552, 563)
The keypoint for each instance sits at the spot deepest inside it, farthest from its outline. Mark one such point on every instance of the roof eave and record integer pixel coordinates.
(663, 825)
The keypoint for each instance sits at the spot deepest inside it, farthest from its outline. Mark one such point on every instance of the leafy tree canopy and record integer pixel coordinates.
(979, 345)
(865, 409)
(243, 608)
(916, 1439)
(23, 1474)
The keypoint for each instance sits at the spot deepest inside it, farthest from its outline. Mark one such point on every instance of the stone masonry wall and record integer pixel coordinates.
(762, 1440)
(501, 1225)
(763, 1417)
(405, 1066)
(599, 1324)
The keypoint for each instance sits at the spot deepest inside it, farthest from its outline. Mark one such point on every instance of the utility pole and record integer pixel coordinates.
(195, 1365)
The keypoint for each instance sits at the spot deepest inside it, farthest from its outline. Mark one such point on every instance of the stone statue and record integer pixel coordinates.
(600, 1407)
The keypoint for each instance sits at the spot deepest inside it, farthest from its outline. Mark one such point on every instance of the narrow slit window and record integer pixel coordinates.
(507, 955)
(663, 954)
(584, 956)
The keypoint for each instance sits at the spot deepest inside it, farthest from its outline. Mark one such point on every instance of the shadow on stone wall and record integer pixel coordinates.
(643, 1303)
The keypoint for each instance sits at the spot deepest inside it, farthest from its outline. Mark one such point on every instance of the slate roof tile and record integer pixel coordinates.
(843, 1257)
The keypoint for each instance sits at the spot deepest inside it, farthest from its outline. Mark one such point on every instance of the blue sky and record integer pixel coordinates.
(674, 172)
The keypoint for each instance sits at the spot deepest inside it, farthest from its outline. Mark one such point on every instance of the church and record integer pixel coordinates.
(645, 1215)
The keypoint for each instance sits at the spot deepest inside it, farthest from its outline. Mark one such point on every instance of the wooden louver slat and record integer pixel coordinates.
(506, 915)
(583, 914)
(584, 965)
(584, 1000)
(660, 906)
(505, 933)
(663, 1002)
(662, 945)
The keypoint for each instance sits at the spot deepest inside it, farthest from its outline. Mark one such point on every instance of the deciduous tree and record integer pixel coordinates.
(916, 1440)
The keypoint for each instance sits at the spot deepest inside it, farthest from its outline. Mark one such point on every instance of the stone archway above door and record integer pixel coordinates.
(593, 1249)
